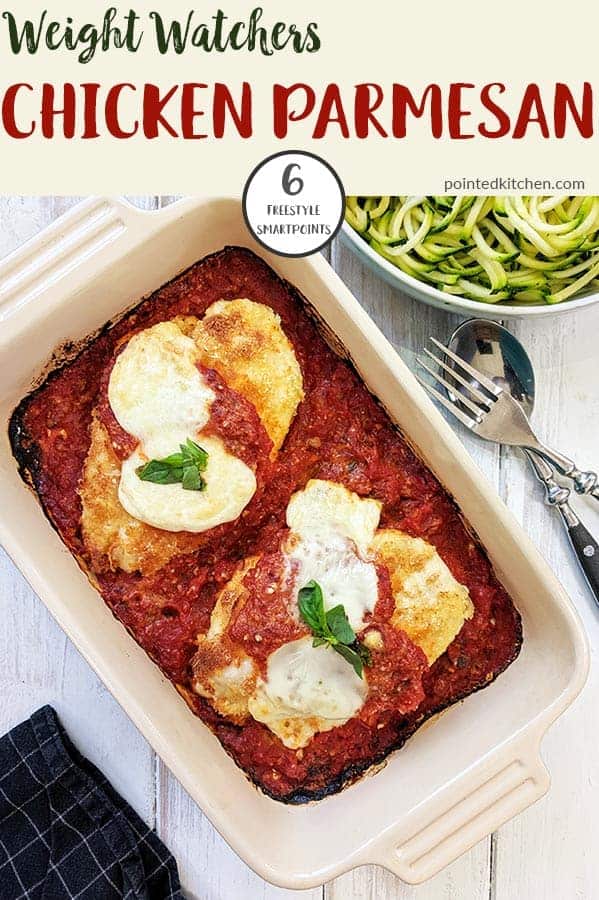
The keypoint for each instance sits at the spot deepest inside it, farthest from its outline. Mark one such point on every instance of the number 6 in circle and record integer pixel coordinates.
(292, 185)
(272, 210)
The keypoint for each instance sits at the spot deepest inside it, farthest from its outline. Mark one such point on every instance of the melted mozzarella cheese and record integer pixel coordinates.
(156, 391)
(310, 689)
(158, 395)
(307, 689)
(230, 485)
(332, 529)
(325, 508)
(344, 577)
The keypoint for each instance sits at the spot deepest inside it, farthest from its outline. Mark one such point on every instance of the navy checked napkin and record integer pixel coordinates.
(65, 834)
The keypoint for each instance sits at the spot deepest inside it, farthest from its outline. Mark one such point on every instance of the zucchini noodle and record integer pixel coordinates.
(513, 249)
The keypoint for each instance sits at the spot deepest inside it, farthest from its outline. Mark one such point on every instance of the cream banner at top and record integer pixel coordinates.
(175, 97)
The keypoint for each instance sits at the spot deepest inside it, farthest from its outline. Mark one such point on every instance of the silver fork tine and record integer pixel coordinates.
(478, 395)
(482, 379)
(460, 398)
(464, 419)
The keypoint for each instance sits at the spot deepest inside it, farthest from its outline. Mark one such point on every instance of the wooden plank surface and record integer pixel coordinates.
(547, 852)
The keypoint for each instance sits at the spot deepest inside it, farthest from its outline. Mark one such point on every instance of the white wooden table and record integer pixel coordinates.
(549, 852)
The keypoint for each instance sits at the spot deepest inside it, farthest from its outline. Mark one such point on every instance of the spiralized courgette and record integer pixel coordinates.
(491, 249)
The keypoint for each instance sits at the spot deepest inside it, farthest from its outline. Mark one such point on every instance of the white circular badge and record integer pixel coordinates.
(293, 203)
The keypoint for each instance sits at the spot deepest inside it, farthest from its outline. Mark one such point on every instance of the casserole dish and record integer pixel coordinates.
(342, 509)
(431, 295)
(453, 783)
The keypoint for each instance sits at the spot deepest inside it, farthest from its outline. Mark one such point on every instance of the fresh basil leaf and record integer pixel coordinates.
(331, 627)
(192, 480)
(364, 652)
(311, 607)
(351, 657)
(195, 453)
(152, 467)
(183, 467)
(156, 471)
(175, 460)
(339, 625)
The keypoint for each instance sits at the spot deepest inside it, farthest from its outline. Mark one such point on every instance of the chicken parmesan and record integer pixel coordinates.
(251, 515)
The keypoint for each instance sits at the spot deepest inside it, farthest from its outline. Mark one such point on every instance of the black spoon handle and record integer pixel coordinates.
(587, 550)
(584, 544)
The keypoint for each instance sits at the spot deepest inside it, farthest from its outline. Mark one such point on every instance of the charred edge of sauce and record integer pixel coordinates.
(27, 455)
(65, 354)
(26, 452)
(354, 772)
(24, 449)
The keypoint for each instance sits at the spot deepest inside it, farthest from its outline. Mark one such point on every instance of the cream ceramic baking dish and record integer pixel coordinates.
(456, 780)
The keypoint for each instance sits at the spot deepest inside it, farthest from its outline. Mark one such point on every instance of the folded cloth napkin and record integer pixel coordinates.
(64, 831)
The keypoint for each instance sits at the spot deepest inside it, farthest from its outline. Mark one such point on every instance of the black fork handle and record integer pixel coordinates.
(587, 551)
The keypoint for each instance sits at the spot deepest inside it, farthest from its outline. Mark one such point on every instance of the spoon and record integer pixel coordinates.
(495, 352)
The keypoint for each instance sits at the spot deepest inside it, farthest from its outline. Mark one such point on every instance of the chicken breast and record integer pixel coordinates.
(245, 343)
(113, 538)
(304, 687)
(430, 605)
(221, 670)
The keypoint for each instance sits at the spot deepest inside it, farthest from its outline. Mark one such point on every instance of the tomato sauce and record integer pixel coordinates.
(265, 621)
(340, 433)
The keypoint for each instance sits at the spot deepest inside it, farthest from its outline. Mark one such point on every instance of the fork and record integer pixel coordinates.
(497, 416)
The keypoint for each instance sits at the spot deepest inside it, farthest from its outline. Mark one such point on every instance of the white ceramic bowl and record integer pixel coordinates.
(434, 297)
(457, 779)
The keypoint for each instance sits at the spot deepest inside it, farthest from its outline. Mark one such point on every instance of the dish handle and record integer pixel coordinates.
(91, 228)
(472, 808)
